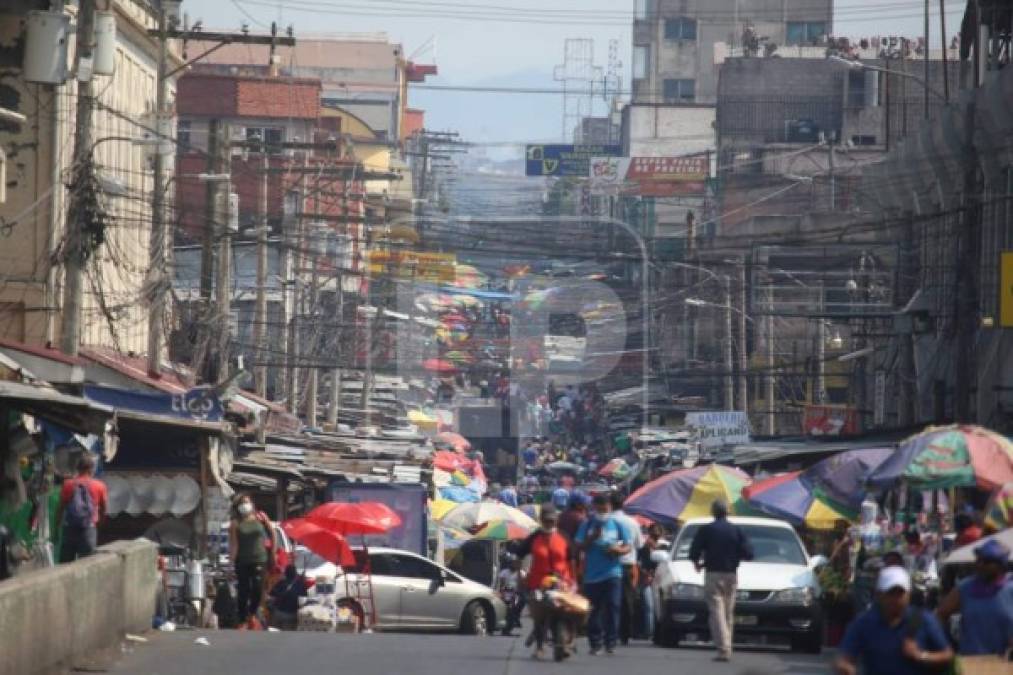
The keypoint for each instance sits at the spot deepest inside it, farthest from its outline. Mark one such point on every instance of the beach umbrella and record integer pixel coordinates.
(468, 516)
(789, 497)
(689, 493)
(503, 530)
(439, 366)
(348, 518)
(458, 495)
(453, 440)
(841, 479)
(326, 543)
(440, 507)
(616, 468)
(450, 461)
(999, 512)
(454, 538)
(945, 457)
(531, 510)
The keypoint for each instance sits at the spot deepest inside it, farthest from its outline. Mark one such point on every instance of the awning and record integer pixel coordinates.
(72, 412)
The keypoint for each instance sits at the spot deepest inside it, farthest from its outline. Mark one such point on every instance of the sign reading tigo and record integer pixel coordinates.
(714, 430)
(651, 176)
(566, 160)
(422, 266)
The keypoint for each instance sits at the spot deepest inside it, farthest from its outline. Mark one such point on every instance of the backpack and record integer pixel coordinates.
(81, 508)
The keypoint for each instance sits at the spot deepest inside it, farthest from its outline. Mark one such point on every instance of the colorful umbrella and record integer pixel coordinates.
(789, 497)
(945, 457)
(531, 510)
(616, 468)
(503, 530)
(458, 495)
(423, 421)
(440, 507)
(999, 512)
(354, 518)
(439, 366)
(841, 479)
(454, 538)
(468, 516)
(326, 543)
(453, 440)
(689, 493)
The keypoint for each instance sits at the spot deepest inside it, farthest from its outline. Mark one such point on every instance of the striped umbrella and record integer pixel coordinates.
(999, 512)
(790, 497)
(503, 530)
(689, 493)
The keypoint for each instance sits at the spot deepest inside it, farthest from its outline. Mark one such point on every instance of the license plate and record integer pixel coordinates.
(745, 620)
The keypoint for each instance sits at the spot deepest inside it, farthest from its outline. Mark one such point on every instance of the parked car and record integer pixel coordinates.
(778, 597)
(414, 593)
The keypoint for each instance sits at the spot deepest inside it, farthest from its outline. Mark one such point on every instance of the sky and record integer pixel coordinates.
(495, 43)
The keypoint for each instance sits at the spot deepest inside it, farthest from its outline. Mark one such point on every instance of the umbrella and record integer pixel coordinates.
(532, 510)
(564, 467)
(458, 495)
(689, 493)
(453, 440)
(459, 357)
(965, 554)
(326, 543)
(789, 497)
(468, 516)
(423, 421)
(841, 478)
(450, 461)
(355, 518)
(945, 457)
(440, 507)
(616, 468)
(439, 366)
(503, 530)
(454, 538)
(999, 512)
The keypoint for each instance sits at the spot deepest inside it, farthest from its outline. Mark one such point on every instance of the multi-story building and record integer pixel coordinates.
(38, 169)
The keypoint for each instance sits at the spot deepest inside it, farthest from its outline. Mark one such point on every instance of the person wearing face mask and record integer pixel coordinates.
(248, 550)
(985, 603)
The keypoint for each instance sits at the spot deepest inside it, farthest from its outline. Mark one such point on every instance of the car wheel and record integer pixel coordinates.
(808, 644)
(475, 620)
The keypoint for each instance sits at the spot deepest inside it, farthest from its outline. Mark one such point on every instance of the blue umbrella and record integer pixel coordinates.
(841, 478)
(461, 495)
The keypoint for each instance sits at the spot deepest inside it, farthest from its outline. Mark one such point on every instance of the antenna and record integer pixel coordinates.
(578, 74)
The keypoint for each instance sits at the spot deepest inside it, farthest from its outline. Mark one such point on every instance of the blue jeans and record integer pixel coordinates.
(647, 611)
(606, 599)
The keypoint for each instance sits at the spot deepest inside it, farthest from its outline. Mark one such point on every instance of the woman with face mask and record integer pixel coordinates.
(248, 551)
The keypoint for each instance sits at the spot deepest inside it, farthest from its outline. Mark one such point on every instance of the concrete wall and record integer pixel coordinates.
(50, 618)
(668, 130)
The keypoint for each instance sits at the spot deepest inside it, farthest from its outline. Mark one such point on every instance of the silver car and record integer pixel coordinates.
(414, 593)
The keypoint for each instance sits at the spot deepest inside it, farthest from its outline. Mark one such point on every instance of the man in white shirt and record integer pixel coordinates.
(634, 538)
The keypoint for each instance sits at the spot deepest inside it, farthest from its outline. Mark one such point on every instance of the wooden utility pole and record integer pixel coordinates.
(76, 254)
(260, 318)
(158, 270)
(223, 271)
(313, 375)
(743, 343)
(926, 49)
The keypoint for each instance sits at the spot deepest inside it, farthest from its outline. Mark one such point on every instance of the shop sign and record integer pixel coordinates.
(650, 176)
(715, 430)
(830, 420)
(421, 266)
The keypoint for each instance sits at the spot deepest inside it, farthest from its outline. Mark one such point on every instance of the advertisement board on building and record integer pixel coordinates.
(421, 266)
(565, 160)
(650, 176)
(715, 430)
(830, 420)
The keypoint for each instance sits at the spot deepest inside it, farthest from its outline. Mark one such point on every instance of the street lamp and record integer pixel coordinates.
(860, 65)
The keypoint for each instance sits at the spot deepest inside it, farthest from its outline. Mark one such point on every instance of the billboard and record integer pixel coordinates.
(565, 160)
(422, 266)
(830, 420)
(651, 176)
(715, 430)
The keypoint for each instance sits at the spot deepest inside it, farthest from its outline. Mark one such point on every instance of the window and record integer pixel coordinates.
(642, 9)
(183, 135)
(680, 91)
(805, 32)
(413, 568)
(273, 136)
(641, 61)
(770, 544)
(680, 29)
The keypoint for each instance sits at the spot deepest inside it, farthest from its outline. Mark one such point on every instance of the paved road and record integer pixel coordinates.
(243, 653)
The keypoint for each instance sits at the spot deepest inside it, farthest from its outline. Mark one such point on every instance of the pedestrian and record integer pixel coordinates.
(601, 539)
(718, 547)
(249, 543)
(967, 528)
(892, 637)
(285, 599)
(575, 514)
(84, 503)
(509, 586)
(647, 570)
(634, 538)
(550, 557)
(508, 495)
(985, 603)
(560, 498)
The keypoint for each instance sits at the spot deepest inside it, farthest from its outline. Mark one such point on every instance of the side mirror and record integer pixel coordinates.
(659, 557)
(818, 561)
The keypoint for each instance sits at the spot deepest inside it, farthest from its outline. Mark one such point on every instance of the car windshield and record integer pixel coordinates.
(307, 560)
(770, 544)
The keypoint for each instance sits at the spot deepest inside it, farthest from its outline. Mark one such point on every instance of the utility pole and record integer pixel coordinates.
(313, 376)
(969, 238)
(831, 136)
(260, 318)
(158, 244)
(76, 255)
(945, 46)
(926, 49)
(820, 395)
(908, 401)
(223, 272)
(743, 343)
(771, 417)
(729, 360)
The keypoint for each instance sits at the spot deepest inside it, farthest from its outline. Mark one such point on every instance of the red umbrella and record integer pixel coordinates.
(326, 543)
(439, 366)
(354, 518)
(453, 440)
(450, 461)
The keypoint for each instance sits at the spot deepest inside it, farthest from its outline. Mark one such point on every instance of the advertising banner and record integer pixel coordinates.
(422, 266)
(830, 420)
(565, 160)
(715, 430)
(650, 176)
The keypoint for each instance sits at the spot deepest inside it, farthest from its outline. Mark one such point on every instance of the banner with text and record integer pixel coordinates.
(715, 430)
(650, 176)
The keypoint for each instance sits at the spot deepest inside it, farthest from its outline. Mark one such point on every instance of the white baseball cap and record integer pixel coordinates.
(893, 577)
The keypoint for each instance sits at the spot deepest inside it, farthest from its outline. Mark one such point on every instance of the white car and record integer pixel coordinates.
(415, 593)
(778, 595)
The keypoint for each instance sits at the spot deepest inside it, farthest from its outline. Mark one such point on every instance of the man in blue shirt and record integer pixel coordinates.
(601, 539)
(893, 638)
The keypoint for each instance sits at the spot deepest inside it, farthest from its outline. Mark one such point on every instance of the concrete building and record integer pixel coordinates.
(38, 163)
